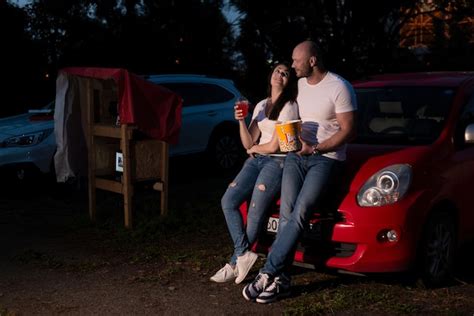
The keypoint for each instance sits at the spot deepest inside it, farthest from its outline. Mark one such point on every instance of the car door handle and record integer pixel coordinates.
(212, 113)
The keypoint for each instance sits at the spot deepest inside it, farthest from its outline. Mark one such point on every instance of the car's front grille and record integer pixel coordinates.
(320, 229)
(344, 250)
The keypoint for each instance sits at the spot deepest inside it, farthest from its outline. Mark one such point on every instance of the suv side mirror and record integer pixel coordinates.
(469, 134)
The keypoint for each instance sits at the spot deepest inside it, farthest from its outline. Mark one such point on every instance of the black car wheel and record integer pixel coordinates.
(438, 250)
(20, 174)
(23, 173)
(226, 150)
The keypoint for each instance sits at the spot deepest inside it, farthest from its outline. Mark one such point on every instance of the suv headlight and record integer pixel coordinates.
(27, 139)
(386, 186)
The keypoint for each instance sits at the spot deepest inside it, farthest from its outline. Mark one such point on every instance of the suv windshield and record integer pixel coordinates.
(401, 115)
(196, 93)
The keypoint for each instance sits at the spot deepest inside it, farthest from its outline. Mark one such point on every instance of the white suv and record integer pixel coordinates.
(27, 142)
(208, 122)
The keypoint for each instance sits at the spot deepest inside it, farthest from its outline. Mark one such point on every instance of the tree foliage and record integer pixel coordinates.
(144, 36)
(356, 39)
(193, 36)
(21, 63)
(359, 39)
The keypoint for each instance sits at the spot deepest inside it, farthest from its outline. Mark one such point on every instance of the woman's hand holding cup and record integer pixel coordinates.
(241, 108)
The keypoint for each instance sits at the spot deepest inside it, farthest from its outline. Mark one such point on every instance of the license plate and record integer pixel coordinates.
(272, 225)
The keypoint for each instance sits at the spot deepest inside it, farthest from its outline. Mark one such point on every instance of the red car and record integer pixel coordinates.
(405, 196)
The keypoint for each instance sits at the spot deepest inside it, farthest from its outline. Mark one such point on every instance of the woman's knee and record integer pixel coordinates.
(229, 200)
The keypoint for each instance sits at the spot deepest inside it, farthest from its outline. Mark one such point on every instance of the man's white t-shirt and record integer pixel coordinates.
(318, 105)
(267, 126)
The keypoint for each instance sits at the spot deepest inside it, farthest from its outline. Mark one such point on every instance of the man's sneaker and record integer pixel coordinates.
(252, 290)
(244, 264)
(227, 273)
(279, 288)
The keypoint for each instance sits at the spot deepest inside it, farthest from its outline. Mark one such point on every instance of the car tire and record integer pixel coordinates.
(225, 149)
(21, 174)
(25, 173)
(438, 250)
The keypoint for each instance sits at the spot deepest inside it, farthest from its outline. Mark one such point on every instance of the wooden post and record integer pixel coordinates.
(127, 188)
(164, 172)
(91, 151)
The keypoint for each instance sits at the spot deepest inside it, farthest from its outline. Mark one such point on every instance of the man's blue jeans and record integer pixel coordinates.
(304, 180)
(260, 179)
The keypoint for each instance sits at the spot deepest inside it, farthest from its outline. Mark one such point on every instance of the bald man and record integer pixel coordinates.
(327, 106)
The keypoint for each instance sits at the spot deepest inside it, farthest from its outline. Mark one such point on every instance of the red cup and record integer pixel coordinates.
(243, 105)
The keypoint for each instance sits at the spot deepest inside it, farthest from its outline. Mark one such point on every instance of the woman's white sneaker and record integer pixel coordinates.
(226, 274)
(244, 264)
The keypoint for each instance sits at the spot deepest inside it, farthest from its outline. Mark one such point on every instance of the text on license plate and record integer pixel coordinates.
(272, 225)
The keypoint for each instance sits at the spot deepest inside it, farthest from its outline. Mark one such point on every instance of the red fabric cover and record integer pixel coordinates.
(155, 110)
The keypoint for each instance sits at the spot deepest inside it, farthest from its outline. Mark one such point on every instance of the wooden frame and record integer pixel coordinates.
(155, 168)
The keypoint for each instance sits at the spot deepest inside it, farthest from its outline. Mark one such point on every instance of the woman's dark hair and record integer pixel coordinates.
(289, 92)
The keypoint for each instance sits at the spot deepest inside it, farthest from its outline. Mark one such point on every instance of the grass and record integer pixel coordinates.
(357, 297)
(5, 312)
(193, 232)
(49, 261)
(321, 294)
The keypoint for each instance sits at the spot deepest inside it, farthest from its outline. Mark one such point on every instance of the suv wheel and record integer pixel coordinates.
(20, 174)
(226, 150)
(438, 250)
(24, 173)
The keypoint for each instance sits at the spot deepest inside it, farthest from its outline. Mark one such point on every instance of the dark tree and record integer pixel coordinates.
(358, 39)
(452, 47)
(193, 36)
(143, 36)
(22, 70)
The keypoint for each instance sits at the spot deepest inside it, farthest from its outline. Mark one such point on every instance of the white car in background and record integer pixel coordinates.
(208, 123)
(27, 143)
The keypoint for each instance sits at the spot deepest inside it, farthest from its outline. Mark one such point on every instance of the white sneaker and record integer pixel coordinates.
(227, 273)
(244, 264)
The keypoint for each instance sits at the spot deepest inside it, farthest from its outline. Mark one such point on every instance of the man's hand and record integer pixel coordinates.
(305, 148)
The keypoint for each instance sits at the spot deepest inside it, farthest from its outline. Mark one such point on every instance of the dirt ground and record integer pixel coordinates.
(54, 261)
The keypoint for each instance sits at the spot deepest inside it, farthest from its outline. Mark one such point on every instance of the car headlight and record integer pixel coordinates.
(386, 186)
(27, 139)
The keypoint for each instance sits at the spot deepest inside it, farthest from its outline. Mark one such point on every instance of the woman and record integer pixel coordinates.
(260, 176)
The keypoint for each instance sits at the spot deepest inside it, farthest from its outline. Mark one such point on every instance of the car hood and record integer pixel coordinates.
(22, 124)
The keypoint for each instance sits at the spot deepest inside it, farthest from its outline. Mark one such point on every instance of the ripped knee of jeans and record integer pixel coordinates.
(232, 184)
(261, 187)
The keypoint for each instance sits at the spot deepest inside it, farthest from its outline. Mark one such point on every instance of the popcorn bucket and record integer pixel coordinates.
(288, 135)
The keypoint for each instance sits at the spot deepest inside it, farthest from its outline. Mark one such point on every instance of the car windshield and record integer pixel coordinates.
(401, 115)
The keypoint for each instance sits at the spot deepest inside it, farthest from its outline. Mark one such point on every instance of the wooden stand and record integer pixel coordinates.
(142, 160)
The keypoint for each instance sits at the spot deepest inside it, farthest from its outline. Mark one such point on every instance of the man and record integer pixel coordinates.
(327, 108)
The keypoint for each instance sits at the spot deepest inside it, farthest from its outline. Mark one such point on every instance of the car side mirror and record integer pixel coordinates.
(469, 134)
